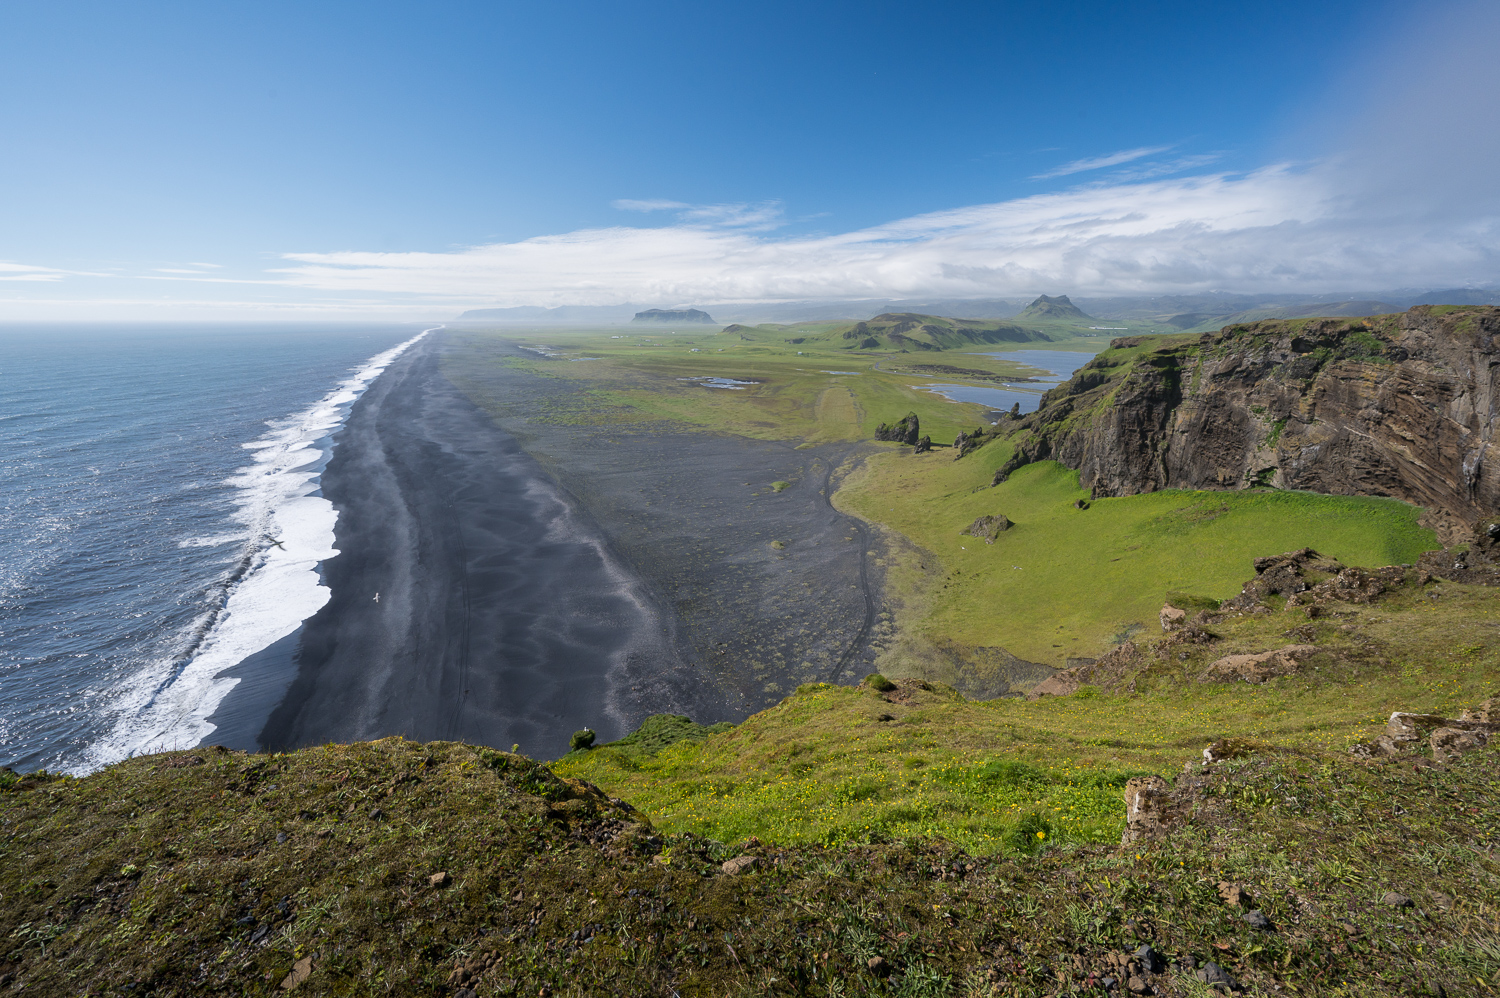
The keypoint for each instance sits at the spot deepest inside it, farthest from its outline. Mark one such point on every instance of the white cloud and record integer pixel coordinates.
(734, 214)
(1100, 162)
(1404, 194)
(1280, 228)
(28, 272)
(1149, 171)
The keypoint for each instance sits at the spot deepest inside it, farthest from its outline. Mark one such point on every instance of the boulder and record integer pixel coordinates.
(301, 971)
(1234, 894)
(1449, 743)
(924, 445)
(1257, 668)
(1448, 737)
(738, 865)
(1216, 976)
(1487, 712)
(1145, 809)
(1109, 672)
(988, 527)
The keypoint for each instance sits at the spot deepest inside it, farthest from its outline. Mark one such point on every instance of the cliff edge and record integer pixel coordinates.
(1400, 405)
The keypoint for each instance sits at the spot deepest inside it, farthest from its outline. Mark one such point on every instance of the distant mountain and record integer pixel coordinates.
(1215, 309)
(659, 315)
(1452, 296)
(1054, 309)
(1207, 310)
(752, 313)
(580, 315)
(904, 331)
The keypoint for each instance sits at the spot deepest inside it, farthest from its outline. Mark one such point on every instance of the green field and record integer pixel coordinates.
(636, 376)
(1065, 582)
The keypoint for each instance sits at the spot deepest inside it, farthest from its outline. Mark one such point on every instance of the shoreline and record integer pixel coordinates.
(503, 617)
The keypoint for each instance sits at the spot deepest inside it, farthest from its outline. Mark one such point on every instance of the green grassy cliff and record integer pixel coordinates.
(891, 839)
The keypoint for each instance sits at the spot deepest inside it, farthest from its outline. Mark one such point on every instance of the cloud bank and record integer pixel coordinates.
(1282, 228)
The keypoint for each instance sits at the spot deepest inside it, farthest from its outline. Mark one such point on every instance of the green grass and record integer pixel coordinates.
(216, 873)
(1065, 582)
(835, 765)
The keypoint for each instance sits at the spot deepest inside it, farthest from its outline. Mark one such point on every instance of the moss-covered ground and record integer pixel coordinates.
(838, 764)
(407, 869)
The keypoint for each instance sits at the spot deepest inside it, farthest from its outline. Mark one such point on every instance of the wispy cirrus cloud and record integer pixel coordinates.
(1100, 162)
(733, 214)
(27, 272)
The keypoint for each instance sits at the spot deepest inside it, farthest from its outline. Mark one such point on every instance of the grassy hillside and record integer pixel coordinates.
(407, 869)
(835, 765)
(1068, 582)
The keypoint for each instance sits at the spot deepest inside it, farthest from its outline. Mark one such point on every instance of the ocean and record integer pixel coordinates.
(160, 520)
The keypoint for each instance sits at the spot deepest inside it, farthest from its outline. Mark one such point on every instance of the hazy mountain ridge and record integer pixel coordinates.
(905, 331)
(1207, 308)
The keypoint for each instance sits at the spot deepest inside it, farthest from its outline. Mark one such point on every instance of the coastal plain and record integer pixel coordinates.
(1066, 583)
(1172, 741)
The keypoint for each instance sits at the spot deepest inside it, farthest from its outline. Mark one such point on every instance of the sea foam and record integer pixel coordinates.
(270, 590)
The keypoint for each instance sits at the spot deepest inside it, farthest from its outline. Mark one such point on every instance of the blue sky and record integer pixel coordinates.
(240, 159)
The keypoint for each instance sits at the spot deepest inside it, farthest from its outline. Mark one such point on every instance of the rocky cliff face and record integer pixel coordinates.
(1398, 405)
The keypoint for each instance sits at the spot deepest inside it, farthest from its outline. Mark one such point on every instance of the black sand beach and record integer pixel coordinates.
(769, 589)
(535, 578)
(502, 617)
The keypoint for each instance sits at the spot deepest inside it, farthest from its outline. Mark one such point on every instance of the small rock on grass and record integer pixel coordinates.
(878, 965)
(1150, 960)
(1234, 894)
(301, 971)
(1396, 900)
(1256, 919)
(1213, 974)
(439, 880)
(740, 864)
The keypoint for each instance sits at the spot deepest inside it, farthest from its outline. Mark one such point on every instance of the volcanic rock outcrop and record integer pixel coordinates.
(903, 431)
(1398, 405)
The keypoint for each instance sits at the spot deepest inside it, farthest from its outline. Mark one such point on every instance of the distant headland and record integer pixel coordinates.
(670, 315)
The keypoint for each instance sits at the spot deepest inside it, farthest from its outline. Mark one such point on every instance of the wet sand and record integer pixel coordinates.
(503, 615)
